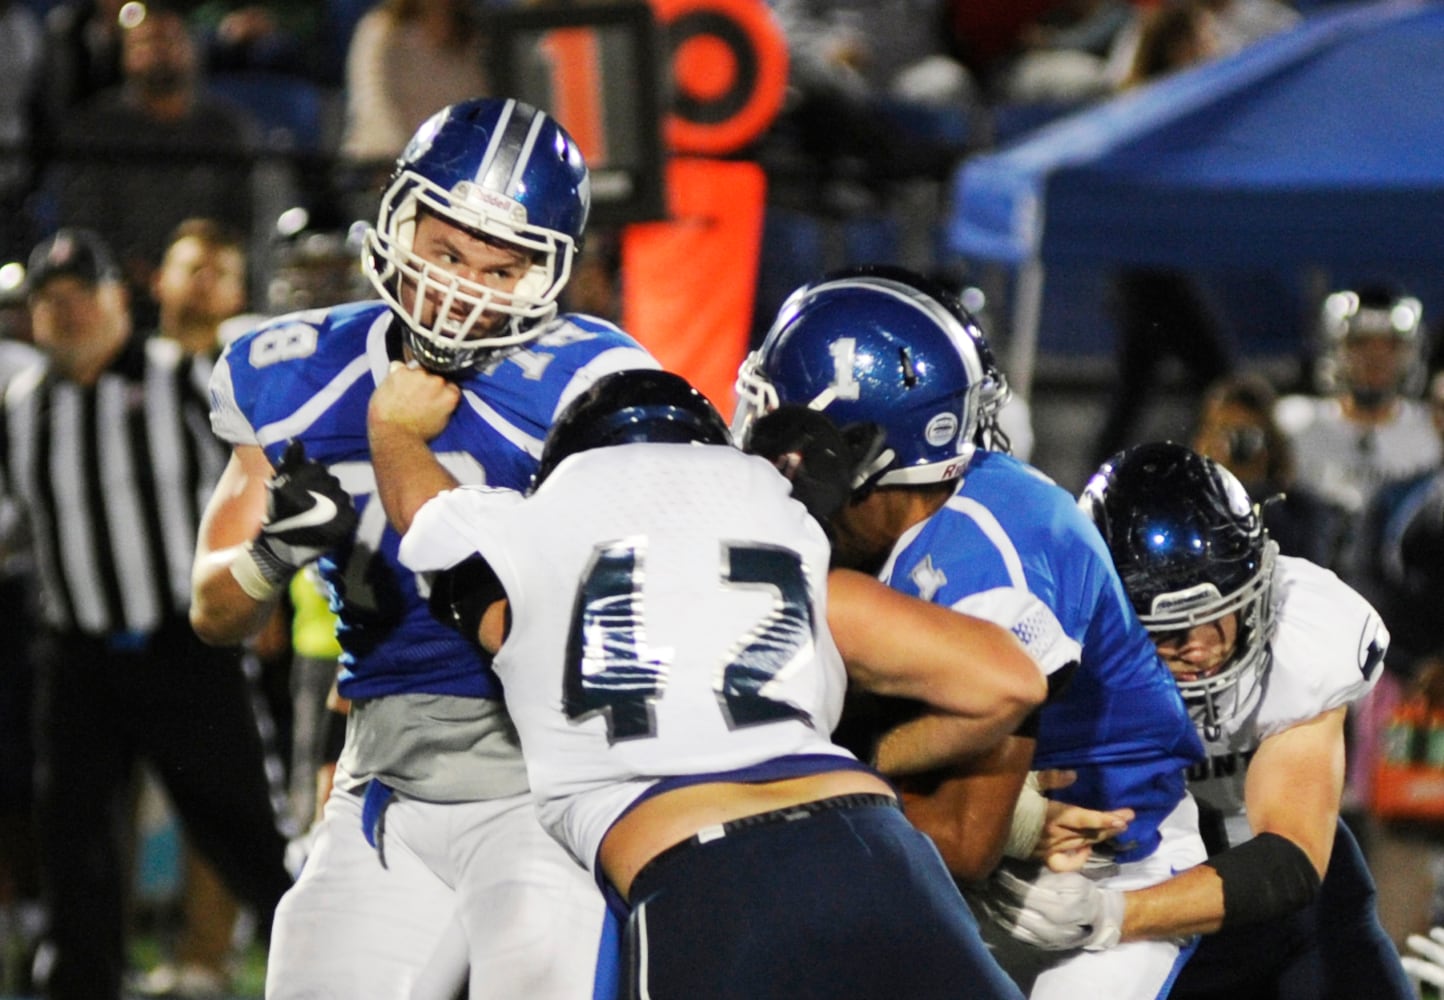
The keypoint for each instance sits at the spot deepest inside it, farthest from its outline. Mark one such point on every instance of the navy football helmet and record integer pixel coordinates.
(872, 346)
(1190, 547)
(499, 169)
(632, 407)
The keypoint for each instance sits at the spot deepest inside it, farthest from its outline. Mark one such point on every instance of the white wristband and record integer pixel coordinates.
(248, 574)
(1029, 815)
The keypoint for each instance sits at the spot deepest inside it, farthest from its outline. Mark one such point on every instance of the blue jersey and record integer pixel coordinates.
(1119, 722)
(310, 376)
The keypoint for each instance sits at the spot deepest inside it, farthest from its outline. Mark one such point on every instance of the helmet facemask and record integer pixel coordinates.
(1375, 313)
(450, 341)
(1230, 690)
(756, 397)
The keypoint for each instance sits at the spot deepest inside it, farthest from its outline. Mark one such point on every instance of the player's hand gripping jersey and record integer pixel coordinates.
(310, 376)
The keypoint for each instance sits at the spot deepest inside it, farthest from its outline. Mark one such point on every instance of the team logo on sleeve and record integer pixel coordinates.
(1373, 643)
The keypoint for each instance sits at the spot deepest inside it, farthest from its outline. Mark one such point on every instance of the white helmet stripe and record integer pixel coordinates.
(509, 150)
(486, 171)
(524, 156)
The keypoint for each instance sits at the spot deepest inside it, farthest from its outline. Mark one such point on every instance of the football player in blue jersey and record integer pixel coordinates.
(944, 516)
(672, 646)
(1269, 651)
(429, 855)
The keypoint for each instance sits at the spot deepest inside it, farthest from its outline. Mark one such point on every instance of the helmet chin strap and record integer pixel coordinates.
(433, 360)
(1212, 728)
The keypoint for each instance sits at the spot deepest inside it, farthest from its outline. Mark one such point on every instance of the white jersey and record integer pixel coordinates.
(1345, 463)
(668, 611)
(1327, 650)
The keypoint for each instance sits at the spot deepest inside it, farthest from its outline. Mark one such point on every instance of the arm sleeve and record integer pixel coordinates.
(1030, 620)
(453, 526)
(228, 421)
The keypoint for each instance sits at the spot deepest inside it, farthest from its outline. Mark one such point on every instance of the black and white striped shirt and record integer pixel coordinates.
(112, 479)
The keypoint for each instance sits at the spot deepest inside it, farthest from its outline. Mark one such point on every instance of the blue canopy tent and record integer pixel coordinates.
(1323, 146)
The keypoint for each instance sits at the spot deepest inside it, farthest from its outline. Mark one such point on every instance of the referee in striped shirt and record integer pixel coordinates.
(106, 448)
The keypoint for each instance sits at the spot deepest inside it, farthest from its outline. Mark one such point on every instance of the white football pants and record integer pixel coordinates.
(468, 881)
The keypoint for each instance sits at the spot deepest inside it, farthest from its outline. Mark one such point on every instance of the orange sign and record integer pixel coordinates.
(729, 73)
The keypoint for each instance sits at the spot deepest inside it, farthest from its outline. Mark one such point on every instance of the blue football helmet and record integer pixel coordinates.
(632, 407)
(499, 169)
(1190, 547)
(872, 346)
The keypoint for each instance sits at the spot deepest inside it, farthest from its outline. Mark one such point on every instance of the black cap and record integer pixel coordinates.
(79, 253)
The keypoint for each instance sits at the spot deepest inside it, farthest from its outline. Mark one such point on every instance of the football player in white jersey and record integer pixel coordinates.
(672, 648)
(1368, 430)
(428, 856)
(1269, 651)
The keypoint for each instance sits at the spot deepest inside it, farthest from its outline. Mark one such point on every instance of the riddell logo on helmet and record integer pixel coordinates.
(475, 195)
(941, 429)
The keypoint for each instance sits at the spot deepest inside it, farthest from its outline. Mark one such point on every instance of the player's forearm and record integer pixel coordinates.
(955, 663)
(407, 473)
(932, 741)
(221, 612)
(966, 810)
(1188, 903)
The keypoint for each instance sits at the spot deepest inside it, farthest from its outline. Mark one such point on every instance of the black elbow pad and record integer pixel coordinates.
(1265, 878)
(460, 595)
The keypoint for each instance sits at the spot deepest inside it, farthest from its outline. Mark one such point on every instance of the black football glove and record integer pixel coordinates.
(307, 513)
(827, 465)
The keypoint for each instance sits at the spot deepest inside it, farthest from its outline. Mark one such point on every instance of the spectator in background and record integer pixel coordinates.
(138, 159)
(1162, 313)
(856, 66)
(986, 34)
(274, 37)
(83, 42)
(1236, 428)
(201, 281)
(1363, 431)
(1233, 25)
(121, 677)
(1238, 23)
(879, 113)
(1066, 53)
(1172, 36)
(407, 58)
